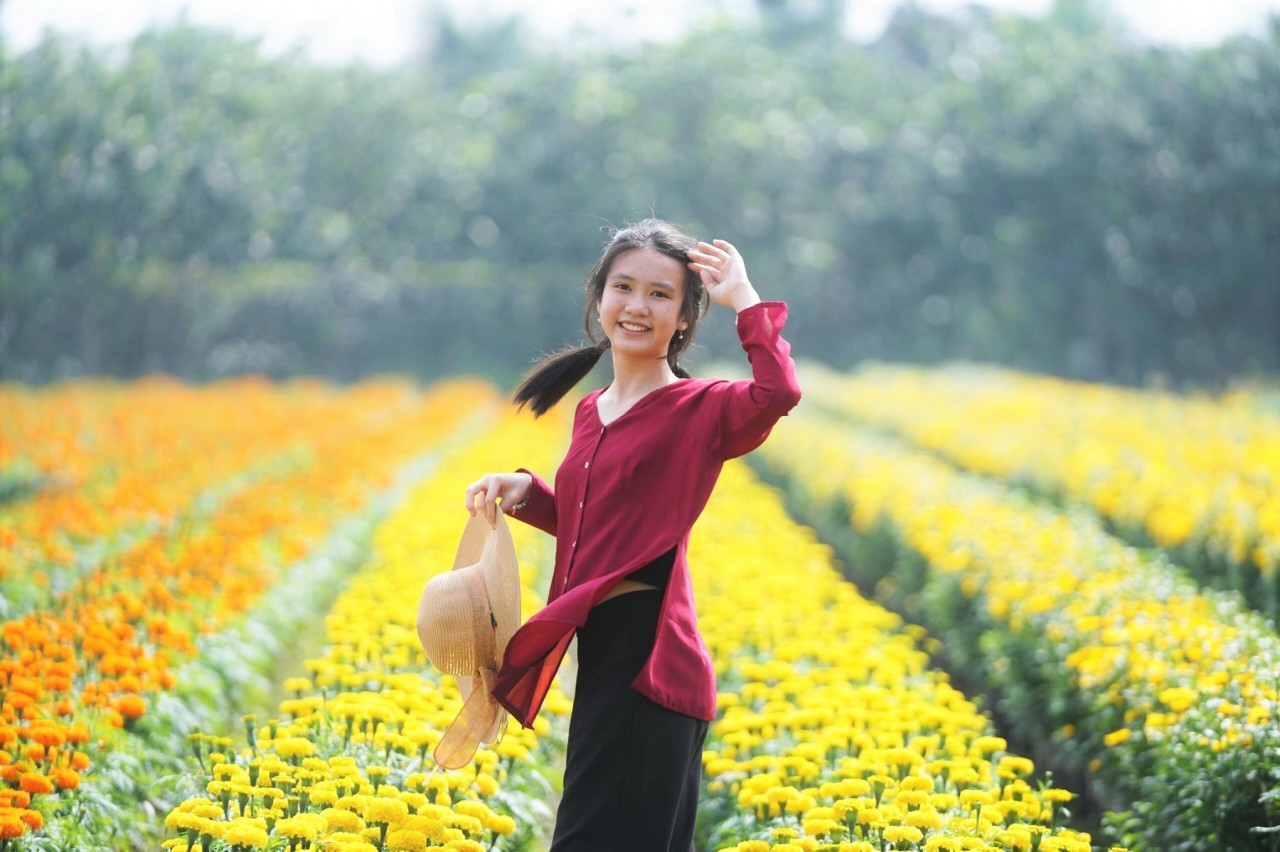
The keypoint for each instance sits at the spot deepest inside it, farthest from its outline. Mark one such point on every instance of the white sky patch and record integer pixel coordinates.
(384, 32)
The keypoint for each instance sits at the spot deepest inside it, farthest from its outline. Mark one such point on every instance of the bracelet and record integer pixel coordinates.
(523, 502)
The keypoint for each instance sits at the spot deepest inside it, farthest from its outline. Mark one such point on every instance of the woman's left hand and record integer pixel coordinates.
(724, 274)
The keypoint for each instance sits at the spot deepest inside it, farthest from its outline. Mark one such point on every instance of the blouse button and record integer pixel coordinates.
(586, 464)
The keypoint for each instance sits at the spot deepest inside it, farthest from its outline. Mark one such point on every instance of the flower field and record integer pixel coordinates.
(1197, 477)
(942, 638)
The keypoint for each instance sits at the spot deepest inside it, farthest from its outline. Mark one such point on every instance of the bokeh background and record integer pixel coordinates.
(1056, 189)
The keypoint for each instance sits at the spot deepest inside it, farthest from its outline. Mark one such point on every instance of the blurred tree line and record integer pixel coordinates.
(1044, 193)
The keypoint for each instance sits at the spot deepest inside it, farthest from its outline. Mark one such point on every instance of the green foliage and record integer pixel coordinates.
(1039, 192)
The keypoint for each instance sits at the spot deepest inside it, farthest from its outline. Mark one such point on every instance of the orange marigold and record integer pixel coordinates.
(35, 783)
(11, 824)
(59, 683)
(47, 735)
(66, 779)
(130, 706)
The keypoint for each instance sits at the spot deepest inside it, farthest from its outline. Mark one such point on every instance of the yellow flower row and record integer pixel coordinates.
(1159, 665)
(835, 731)
(1187, 470)
(347, 766)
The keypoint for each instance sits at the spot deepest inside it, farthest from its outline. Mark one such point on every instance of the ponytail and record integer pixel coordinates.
(556, 375)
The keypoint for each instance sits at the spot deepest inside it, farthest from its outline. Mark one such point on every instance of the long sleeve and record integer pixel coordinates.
(750, 408)
(540, 510)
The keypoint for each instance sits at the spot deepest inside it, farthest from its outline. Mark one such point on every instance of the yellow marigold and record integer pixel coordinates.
(988, 744)
(486, 784)
(361, 845)
(294, 747)
(938, 843)
(245, 831)
(916, 784)
(342, 820)
(819, 827)
(404, 840)
(384, 810)
(464, 846)
(910, 798)
(301, 827)
(1178, 698)
(468, 824)
(1015, 840)
(325, 797)
(432, 828)
(1011, 766)
(1116, 737)
(925, 818)
(472, 808)
(752, 846)
(903, 834)
(178, 820)
(502, 824)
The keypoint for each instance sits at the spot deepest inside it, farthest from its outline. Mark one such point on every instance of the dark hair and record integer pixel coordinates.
(557, 374)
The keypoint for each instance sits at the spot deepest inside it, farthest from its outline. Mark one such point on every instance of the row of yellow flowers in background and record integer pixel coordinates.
(1198, 476)
(347, 765)
(113, 638)
(1166, 694)
(835, 732)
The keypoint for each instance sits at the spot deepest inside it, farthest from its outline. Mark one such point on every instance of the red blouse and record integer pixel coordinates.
(629, 491)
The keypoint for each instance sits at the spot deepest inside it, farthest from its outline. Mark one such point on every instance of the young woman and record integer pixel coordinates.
(645, 454)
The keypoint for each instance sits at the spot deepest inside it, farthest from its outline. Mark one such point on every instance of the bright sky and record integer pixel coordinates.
(382, 32)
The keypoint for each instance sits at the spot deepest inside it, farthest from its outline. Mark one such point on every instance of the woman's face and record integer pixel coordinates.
(641, 302)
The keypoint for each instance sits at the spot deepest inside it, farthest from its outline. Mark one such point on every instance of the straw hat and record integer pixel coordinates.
(465, 618)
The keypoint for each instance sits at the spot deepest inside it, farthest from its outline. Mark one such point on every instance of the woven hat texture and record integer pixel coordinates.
(466, 616)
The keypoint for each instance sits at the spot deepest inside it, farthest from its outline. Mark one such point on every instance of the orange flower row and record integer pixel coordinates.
(114, 635)
(113, 457)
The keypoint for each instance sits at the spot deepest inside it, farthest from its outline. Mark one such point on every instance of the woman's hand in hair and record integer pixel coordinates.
(724, 274)
(485, 492)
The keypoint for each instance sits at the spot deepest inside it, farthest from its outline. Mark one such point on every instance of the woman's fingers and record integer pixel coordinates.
(484, 493)
(472, 490)
(491, 495)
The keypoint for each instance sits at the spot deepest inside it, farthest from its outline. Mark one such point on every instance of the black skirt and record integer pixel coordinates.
(633, 767)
